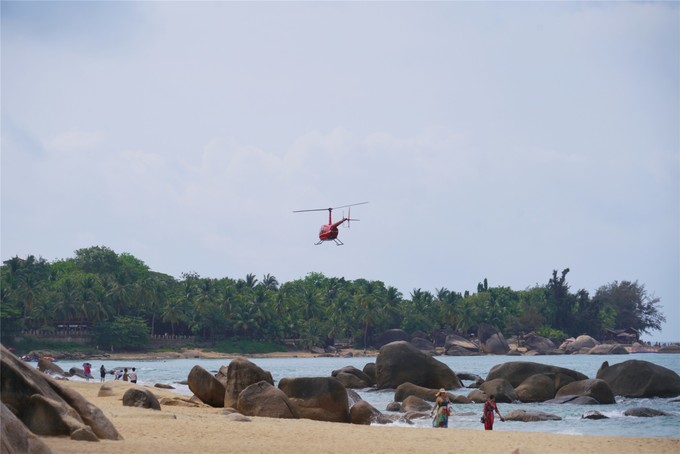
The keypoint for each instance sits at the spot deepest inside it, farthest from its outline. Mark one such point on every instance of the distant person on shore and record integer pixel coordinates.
(118, 374)
(133, 376)
(487, 415)
(441, 410)
(87, 371)
(126, 376)
(102, 373)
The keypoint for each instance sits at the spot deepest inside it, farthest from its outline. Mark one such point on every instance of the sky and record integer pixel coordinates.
(498, 140)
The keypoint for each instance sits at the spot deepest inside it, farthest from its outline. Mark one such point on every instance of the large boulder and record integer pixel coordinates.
(645, 412)
(608, 349)
(423, 345)
(581, 344)
(491, 340)
(364, 413)
(517, 371)
(351, 377)
(19, 383)
(369, 370)
(240, 374)
(409, 389)
(637, 378)
(500, 388)
(539, 344)
(400, 362)
(50, 417)
(413, 403)
(206, 387)
(317, 398)
(530, 416)
(15, 438)
(49, 367)
(263, 399)
(141, 397)
(456, 345)
(595, 388)
(537, 388)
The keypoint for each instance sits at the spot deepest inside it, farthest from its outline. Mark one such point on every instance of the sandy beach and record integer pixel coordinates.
(176, 429)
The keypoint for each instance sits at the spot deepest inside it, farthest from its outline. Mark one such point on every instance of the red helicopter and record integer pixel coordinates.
(329, 231)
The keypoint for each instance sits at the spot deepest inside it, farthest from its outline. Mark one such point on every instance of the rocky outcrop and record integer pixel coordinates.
(364, 413)
(400, 362)
(263, 399)
(141, 397)
(369, 370)
(206, 387)
(46, 407)
(636, 378)
(597, 389)
(500, 388)
(317, 398)
(517, 371)
(581, 344)
(530, 416)
(423, 345)
(644, 412)
(413, 403)
(351, 377)
(491, 340)
(673, 348)
(539, 344)
(49, 367)
(456, 345)
(240, 374)
(537, 388)
(392, 335)
(15, 438)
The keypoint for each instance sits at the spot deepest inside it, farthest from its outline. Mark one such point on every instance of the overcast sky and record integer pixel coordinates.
(492, 140)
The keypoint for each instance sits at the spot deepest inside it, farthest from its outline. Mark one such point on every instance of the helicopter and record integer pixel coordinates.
(329, 232)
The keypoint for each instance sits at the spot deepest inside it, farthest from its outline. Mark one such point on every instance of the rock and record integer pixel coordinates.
(364, 413)
(581, 343)
(105, 390)
(77, 372)
(637, 378)
(595, 388)
(317, 398)
(491, 340)
(456, 345)
(423, 345)
(163, 386)
(351, 377)
(242, 373)
(501, 388)
(608, 349)
(392, 406)
(141, 397)
(413, 403)
(353, 397)
(180, 402)
(20, 383)
(644, 412)
(571, 399)
(49, 367)
(263, 399)
(530, 416)
(517, 371)
(400, 362)
(537, 388)
(369, 370)
(593, 415)
(15, 438)
(476, 379)
(541, 345)
(206, 387)
(237, 417)
(409, 389)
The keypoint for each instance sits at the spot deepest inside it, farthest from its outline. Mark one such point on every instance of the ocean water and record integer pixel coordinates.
(175, 371)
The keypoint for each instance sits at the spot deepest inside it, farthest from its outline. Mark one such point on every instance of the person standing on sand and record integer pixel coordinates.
(126, 376)
(102, 373)
(487, 415)
(87, 371)
(441, 410)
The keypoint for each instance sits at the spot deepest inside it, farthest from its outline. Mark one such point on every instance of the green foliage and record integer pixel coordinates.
(125, 302)
(553, 334)
(246, 346)
(123, 333)
(31, 343)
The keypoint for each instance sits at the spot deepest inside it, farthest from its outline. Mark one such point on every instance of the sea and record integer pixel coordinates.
(174, 372)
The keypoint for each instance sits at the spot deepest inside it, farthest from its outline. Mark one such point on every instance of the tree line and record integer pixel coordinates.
(124, 302)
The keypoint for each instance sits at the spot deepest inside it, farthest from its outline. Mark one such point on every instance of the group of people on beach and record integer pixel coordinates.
(119, 374)
(441, 411)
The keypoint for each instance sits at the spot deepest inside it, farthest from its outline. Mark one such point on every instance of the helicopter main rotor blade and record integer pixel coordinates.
(351, 205)
(315, 209)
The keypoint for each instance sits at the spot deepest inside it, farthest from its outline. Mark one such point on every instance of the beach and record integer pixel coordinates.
(176, 429)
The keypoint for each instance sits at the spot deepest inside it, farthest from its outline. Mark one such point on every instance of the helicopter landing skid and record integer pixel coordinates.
(337, 242)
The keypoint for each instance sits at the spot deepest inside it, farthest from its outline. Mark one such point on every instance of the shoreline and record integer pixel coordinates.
(205, 354)
(180, 429)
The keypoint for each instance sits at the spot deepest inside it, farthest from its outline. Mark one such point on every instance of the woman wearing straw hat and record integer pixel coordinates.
(441, 410)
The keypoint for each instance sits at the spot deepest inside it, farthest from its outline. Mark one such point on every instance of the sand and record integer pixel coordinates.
(208, 430)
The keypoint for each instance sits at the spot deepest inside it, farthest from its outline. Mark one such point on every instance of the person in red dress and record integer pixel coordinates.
(488, 416)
